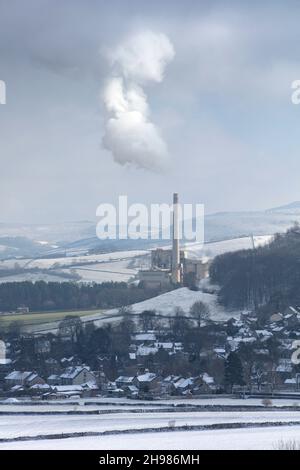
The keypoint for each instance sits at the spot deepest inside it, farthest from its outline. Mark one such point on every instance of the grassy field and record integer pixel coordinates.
(43, 317)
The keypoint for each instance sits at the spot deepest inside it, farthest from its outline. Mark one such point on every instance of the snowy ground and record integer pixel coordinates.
(164, 304)
(15, 426)
(125, 403)
(115, 266)
(232, 439)
(128, 416)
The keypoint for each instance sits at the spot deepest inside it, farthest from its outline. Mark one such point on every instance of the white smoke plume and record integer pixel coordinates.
(129, 134)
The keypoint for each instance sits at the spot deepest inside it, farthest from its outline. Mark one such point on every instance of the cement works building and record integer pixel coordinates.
(171, 266)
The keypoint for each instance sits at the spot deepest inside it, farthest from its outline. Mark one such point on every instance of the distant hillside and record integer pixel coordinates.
(292, 208)
(79, 237)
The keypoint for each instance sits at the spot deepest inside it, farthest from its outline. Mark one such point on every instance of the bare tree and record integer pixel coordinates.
(200, 311)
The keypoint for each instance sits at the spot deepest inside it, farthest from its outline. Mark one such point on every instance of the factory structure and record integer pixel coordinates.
(171, 266)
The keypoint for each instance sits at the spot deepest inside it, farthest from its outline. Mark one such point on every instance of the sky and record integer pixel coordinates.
(219, 112)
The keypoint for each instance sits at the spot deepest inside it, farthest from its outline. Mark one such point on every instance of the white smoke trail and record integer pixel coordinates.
(129, 134)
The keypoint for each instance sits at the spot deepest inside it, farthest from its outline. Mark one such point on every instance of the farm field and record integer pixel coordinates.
(132, 425)
(45, 317)
(233, 439)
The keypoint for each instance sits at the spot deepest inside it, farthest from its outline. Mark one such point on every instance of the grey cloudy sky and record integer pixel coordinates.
(224, 107)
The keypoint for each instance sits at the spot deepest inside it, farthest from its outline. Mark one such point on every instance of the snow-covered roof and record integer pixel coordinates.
(40, 387)
(146, 350)
(72, 372)
(207, 379)
(184, 383)
(68, 388)
(291, 381)
(53, 377)
(17, 388)
(220, 350)
(144, 337)
(277, 329)
(263, 333)
(18, 375)
(125, 379)
(90, 385)
(147, 377)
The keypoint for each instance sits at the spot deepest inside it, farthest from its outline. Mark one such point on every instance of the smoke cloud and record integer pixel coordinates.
(129, 133)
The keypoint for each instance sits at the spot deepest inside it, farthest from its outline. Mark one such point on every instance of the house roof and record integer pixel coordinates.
(125, 379)
(18, 375)
(207, 378)
(148, 377)
(53, 377)
(290, 381)
(17, 388)
(72, 372)
(68, 388)
(146, 350)
(144, 337)
(40, 387)
(183, 383)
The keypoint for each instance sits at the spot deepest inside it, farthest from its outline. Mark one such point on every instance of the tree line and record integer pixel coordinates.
(265, 276)
(48, 296)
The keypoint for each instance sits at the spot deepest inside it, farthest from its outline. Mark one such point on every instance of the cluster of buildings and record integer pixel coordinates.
(74, 381)
(152, 385)
(80, 381)
(150, 369)
(171, 266)
(273, 349)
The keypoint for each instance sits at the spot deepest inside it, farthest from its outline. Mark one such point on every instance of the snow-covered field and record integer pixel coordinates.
(114, 266)
(165, 304)
(210, 250)
(128, 417)
(230, 439)
(47, 263)
(13, 426)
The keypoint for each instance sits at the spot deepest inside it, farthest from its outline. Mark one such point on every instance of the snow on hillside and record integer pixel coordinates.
(197, 250)
(165, 304)
(77, 260)
(119, 266)
(183, 298)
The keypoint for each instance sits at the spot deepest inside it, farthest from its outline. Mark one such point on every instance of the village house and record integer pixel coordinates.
(283, 370)
(147, 338)
(23, 379)
(77, 376)
(291, 317)
(148, 382)
(54, 379)
(125, 381)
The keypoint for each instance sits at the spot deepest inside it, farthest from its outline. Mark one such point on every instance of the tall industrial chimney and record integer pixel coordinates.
(175, 242)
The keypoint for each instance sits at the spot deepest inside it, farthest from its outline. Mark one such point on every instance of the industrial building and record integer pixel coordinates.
(170, 265)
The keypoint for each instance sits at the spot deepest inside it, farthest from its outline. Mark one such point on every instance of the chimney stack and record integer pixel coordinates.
(175, 242)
